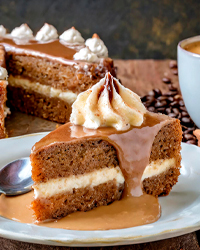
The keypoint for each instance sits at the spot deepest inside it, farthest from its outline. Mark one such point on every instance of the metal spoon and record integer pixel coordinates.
(15, 177)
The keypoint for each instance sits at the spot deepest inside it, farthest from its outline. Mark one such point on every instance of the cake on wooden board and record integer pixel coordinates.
(46, 73)
(112, 148)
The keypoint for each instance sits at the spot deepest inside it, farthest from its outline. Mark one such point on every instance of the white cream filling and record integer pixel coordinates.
(49, 91)
(61, 185)
(158, 167)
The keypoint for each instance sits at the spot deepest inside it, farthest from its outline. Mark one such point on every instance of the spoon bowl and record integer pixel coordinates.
(15, 177)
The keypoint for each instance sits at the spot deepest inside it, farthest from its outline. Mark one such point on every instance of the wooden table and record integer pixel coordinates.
(140, 76)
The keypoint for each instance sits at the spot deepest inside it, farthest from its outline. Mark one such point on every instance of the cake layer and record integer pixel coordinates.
(158, 167)
(67, 96)
(31, 102)
(81, 199)
(68, 159)
(89, 180)
(161, 184)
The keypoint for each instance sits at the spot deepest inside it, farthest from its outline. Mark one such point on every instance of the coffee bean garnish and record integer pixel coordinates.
(171, 104)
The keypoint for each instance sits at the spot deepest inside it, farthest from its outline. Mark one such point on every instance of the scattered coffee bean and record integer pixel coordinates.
(151, 109)
(191, 142)
(186, 121)
(173, 64)
(172, 115)
(189, 137)
(166, 80)
(175, 72)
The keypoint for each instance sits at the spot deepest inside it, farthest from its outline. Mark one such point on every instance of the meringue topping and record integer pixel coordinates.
(72, 36)
(97, 46)
(85, 55)
(22, 31)
(108, 104)
(2, 30)
(47, 32)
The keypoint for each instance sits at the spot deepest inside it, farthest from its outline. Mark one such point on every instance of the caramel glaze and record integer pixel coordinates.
(133, 149)
(53, 50)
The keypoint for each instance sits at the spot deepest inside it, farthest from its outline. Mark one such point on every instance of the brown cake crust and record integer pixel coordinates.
(166, 145)
(76, 78)
(161, 185)
(72, 159)
(82, 199)
(33, 103)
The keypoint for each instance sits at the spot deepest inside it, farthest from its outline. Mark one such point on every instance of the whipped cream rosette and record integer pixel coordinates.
(22, 31)
(97, 46)
(46, 33)
(108, 104)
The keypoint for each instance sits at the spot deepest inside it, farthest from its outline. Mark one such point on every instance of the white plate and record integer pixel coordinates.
(180, 210)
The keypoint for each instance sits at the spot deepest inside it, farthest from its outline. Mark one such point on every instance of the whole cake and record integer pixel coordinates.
(112, 149)
(46, 73)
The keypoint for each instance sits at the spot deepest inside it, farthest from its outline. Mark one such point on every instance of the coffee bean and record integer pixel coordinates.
(178, 97)
(161, 110)
(172, 64)
(191, 142)
(157, 92)
(168, 110)
(174, 104)
(183, 108)
(186, 120)
(151, 93)
(170, 99)
(189, 137)
(188, 131)
(150, 98)
(171, 87)
(159, 104)
(176, 111)
(162, 98)
(172, 115)
(151, 109)
(175, 72)
(184, 114)
(181, 103)
(171, 93)
(166, 80)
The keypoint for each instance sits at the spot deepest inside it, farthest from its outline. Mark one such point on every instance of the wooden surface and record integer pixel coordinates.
(140, 76)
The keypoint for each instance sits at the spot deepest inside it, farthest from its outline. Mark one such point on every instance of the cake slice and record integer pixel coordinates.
(46, 74)
(112, 149)
(3, 93)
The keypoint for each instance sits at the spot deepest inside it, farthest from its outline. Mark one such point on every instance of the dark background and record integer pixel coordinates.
(130, 29)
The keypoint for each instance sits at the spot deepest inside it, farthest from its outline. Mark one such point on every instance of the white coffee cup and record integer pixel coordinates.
(189, 78)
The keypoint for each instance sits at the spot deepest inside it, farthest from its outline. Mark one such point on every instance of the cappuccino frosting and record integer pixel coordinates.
(108, 104)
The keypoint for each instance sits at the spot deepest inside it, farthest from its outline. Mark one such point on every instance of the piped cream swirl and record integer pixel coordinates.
(108, 104)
